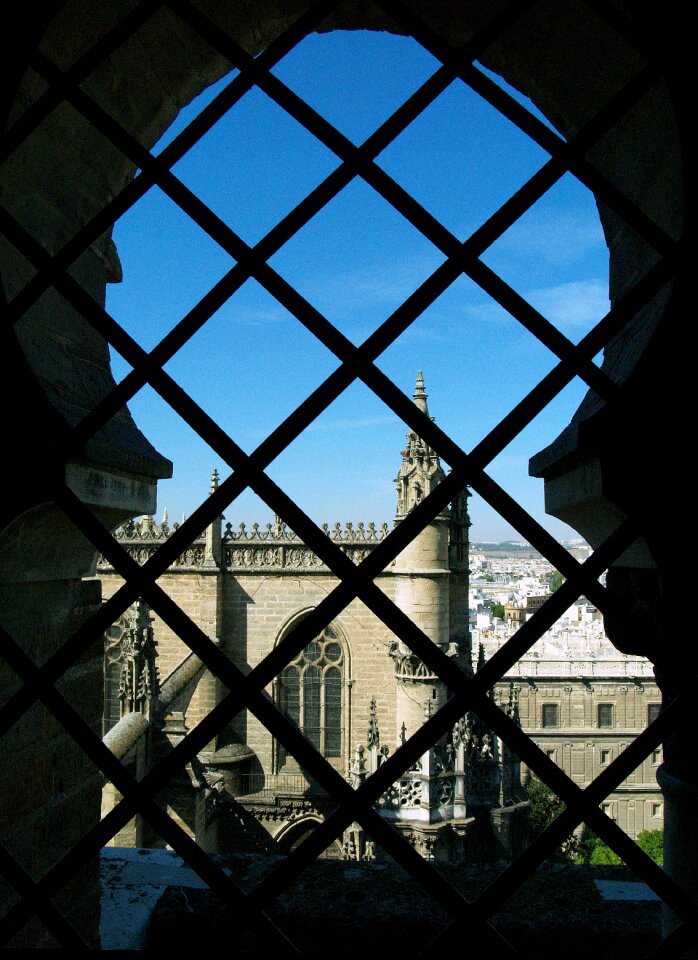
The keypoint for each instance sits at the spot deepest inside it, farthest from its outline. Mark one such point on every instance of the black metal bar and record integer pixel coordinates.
(405, 204)
(103, 48)
(636, 218)
(196, 129)
(54, 920)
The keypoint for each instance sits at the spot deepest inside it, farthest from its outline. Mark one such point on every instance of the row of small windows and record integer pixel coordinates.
(606, 755)
(605, 714)
(609, 808)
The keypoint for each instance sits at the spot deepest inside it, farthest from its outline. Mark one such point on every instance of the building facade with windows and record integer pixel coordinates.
(355, 691)
(352, 690)
(584, 717)
(60, 184)
(583, 701)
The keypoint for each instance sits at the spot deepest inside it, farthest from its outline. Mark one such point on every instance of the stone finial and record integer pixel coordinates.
(138, 684)
(420, 395)
(512, 707)
(373, 735)
(420, 471)
(214, 481)
(357, 769)
(164, 518)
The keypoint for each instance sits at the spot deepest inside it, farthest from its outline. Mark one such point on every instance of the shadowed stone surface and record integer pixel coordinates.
(359, 908)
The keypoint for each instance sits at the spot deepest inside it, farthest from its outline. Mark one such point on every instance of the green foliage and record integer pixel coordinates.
(602, 854)
(652, 842)
(555, 580)
(545, 805)
(489, 577)
(593, 850)
(498, 610)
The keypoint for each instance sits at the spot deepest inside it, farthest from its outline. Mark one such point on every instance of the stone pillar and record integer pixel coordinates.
(459, 581)
(421, 592)
(213, 550)
(646, 616)
(52, 793)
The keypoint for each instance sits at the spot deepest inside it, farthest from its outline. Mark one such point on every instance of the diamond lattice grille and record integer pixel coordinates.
(357, 363)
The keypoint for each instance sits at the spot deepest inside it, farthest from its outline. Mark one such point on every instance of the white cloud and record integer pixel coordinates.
(255, 317)
(384, 284)
(552, 236)
(578, 304)
(349, 423)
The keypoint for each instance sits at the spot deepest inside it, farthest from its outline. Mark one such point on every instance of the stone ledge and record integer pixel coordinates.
(343, 909)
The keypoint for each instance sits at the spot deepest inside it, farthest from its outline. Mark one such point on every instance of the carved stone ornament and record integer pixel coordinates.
(138, 683)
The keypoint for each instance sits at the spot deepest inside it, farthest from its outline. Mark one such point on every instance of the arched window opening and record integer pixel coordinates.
(310, 694)
(85, 181)
(293, 836)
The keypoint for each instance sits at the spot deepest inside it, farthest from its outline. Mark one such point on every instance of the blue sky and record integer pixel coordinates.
(355, 262)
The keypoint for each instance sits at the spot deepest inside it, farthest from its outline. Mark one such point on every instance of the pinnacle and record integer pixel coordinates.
(420, 395)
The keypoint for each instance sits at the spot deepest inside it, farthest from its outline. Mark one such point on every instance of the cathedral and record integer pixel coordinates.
(356, 692)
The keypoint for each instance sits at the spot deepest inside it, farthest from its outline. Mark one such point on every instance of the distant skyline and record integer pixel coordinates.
(356, 261)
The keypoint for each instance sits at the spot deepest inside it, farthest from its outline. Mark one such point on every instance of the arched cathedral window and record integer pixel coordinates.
(310, 694)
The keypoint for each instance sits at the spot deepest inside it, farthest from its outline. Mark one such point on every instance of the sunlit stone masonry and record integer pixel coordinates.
(356, 691)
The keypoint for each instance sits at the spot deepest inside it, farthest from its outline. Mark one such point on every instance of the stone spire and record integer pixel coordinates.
(420, 471)
(420, 395)
(213, 550)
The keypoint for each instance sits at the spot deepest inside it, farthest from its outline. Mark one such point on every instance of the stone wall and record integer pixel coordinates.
(250, 610)
(49, 790)
(582, 748)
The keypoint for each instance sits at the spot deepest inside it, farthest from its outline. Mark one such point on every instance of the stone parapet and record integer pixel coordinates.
(273, 546)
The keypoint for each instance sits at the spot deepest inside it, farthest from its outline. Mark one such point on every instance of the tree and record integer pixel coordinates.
(545, 807)
(652, 842)
(593, 850)
(601, 853)
(498, 610)
(555, 580)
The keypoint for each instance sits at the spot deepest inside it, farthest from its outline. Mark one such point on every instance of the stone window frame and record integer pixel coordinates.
(550, 716)
(330, 634)
(605, 715)
(466, 468)
(653, 710)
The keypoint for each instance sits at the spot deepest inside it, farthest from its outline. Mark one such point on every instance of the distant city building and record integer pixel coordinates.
(583, 702)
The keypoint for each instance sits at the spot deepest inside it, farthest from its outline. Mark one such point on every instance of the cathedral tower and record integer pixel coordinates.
(421, 581)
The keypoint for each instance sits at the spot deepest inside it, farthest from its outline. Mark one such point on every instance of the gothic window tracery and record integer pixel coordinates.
(310, 694)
